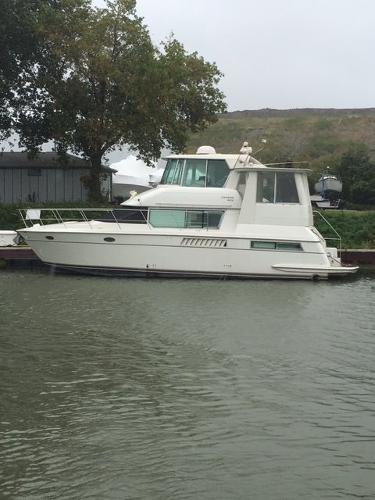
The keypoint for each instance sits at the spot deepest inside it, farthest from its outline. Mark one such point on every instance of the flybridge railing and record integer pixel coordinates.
(45, 216)
(336, 238)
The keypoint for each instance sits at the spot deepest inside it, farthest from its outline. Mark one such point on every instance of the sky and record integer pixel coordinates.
(277, 53)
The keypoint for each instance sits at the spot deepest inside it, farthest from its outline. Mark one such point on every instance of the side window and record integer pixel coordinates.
(167, 218)
(196, 219)
(292, 247)
(286, 189)
(194, 173)
(276, 245)
(276, 187)
(265, 187)
(202, 219)
(184, 218)
(241, 183)
(169, 172)
(217, 173)
(263, 245)
(173, 172)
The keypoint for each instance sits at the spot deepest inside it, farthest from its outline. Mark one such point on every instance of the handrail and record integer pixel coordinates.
(330, 225)
(56, 215)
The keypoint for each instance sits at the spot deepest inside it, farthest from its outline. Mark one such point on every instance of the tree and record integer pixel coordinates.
(18, 54)
(101, 82)
(358, 175)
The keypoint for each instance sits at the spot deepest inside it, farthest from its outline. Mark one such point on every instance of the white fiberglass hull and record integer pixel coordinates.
(185, 254)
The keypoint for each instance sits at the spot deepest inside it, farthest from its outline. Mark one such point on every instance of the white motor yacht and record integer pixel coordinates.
(212, 215)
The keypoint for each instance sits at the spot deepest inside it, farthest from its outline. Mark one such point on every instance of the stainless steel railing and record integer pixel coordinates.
(131, 215)
(337, 238)
(44, 216)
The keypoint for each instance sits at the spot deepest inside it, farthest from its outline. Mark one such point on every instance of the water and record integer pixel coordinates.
(152, 389)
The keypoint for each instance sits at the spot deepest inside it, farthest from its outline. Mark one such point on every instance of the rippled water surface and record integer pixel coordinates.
(152, 389)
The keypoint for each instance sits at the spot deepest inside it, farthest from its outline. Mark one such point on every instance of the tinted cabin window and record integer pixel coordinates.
(276, 245)
(183, 219)
(276, 187)
(194, 173)
(217, 173)
(173, 171)
(167, 218)
(286, 189)
(291, 247)
(266, 187)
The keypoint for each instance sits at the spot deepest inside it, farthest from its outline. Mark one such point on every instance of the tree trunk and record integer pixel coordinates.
(94, 184)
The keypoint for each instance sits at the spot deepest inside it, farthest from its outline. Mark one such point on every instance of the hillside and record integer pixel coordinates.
(318, 136)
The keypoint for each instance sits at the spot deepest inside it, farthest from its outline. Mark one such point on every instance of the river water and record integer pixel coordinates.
(175, 389)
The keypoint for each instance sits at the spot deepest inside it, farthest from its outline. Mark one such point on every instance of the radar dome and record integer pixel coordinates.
(206, 150)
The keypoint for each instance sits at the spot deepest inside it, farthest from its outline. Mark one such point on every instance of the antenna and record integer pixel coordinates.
(284, 163)
(263, 141)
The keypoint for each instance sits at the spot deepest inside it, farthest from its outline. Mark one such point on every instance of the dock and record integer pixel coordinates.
(21, 257)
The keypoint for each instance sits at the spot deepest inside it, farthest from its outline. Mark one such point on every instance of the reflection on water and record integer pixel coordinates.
(152, 389)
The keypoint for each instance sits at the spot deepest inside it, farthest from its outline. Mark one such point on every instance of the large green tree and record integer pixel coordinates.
(357, 172)
(19, 51)
(100, 82)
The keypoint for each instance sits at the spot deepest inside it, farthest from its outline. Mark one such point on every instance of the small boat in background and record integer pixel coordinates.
(133, 176)
(8, 238)
(328, 183)
(328, 189)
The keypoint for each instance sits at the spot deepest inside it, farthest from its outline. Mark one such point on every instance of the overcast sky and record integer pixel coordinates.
(277, 53)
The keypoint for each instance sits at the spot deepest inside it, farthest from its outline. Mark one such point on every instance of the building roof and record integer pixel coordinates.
(48, 159)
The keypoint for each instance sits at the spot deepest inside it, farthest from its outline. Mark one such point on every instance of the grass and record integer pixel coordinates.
(356, 228)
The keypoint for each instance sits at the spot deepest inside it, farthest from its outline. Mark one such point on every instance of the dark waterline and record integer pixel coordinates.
(174, 389)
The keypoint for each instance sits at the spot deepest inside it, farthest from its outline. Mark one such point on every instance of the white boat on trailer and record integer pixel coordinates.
(212, 215)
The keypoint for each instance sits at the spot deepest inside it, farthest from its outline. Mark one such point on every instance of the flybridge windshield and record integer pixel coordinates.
(195, 172)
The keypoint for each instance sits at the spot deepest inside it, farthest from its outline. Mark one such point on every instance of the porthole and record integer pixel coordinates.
(50, 238)
(109, 239)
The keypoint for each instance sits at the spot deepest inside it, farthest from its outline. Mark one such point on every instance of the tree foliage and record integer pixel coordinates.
(19, 51)
(357, 172)
(98, 82)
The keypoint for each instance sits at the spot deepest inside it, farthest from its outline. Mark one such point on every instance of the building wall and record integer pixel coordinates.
(50, 185)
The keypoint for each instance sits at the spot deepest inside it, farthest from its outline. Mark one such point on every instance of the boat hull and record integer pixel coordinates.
(175, 256)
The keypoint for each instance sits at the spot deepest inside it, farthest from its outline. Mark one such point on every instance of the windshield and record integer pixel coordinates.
(195, 172)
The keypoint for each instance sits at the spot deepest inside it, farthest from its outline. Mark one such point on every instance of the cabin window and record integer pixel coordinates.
(167, 218)
(276, 245)
(173, 172)
(217, 173)
(185, 218)
(263, 245)
(195, 173)
(241, 183)
(276, 187)
(291, 247)
(286, 189)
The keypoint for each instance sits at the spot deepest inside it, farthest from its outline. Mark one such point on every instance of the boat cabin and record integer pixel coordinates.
(237, 190)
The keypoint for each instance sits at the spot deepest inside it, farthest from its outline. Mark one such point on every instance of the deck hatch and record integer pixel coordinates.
(204, 242)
